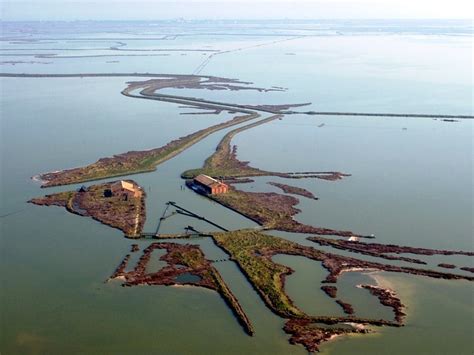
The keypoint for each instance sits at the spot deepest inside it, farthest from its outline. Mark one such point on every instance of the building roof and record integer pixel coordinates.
(125, 185)
(207, 180)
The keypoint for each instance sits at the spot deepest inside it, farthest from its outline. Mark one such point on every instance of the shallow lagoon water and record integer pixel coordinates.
(426, 168)
(53, 296)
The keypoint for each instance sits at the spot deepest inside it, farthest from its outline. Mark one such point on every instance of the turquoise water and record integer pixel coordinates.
(411, 184)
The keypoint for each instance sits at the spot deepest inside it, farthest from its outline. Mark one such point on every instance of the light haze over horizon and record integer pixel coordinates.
(68, 10)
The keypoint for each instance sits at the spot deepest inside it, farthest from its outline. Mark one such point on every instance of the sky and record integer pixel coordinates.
(12, 10)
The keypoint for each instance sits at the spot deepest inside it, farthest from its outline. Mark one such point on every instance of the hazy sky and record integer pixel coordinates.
(232, 9)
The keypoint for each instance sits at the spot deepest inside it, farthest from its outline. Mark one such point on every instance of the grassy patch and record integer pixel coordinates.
(248, 248)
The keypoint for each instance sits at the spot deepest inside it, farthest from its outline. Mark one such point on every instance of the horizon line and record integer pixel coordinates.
(179, 19)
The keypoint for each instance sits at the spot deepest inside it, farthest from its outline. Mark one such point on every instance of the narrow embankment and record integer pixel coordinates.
(226, 106)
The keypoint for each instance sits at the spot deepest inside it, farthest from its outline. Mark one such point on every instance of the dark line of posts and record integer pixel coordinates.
(191, 214)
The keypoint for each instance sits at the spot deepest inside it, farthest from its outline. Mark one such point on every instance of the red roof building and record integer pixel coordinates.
(209, 185)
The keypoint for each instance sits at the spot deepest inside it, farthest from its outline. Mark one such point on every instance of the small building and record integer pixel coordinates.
(210, 185)
(125, 188)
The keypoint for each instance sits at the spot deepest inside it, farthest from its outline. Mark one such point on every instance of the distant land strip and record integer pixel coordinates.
(113, 49)
(88, 75)
(419, 115)
(168, 97)
(166, 37)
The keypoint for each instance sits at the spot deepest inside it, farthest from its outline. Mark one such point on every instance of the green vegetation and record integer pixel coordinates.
(248, 249)
(191, 257)
(253, 252)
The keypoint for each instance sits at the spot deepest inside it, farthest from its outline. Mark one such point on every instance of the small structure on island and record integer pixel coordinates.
(125, 189)
(209, 185)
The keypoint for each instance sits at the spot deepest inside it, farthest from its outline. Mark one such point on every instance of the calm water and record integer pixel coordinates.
(411, 182)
